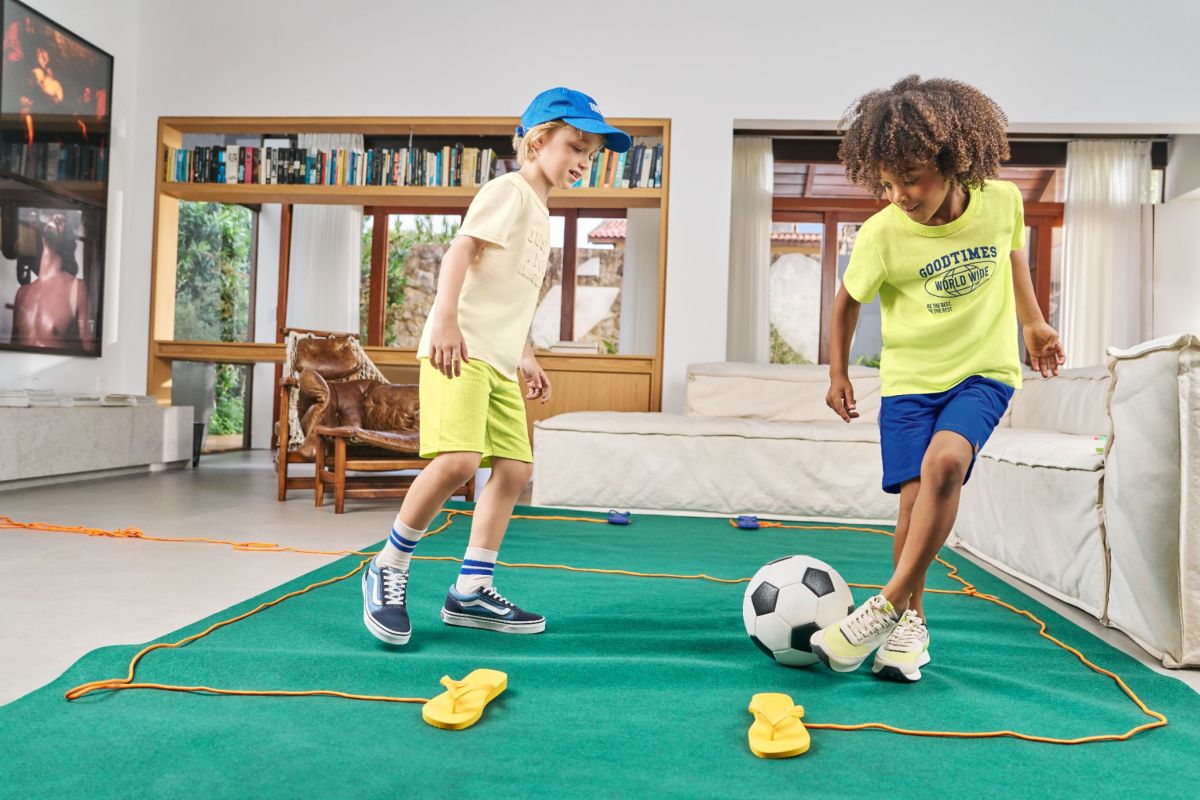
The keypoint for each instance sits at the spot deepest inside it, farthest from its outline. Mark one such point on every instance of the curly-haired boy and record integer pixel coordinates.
(946, 258)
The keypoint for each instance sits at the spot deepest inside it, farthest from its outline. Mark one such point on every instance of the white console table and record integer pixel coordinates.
(52, 445)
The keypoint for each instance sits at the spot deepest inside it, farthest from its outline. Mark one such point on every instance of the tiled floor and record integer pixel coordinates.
(63, 595)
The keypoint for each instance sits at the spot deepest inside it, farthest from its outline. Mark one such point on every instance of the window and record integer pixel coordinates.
(589, 311)
(607, 305)
(214, 272)
(415, 245)
(214, 302)
(795, 291)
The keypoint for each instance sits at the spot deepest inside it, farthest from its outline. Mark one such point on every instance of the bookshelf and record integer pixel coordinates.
(581, 381)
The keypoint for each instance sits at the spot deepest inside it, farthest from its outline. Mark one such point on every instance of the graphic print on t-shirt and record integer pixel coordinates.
(957, 274)
(534, 260)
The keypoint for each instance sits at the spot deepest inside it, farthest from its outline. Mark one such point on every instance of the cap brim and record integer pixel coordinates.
(615, 139)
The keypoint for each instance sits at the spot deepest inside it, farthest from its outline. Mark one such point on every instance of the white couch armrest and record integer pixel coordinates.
(1152, 496)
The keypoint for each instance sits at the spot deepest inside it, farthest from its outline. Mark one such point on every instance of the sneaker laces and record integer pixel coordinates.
(910, 634)
(492, 594)
(395, 585)
(868, 621)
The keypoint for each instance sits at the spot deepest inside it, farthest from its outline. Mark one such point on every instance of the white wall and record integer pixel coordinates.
(785, 60)
(1177, 267)
(1183, 167)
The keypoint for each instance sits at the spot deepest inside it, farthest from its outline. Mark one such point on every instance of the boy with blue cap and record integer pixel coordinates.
(475, 340)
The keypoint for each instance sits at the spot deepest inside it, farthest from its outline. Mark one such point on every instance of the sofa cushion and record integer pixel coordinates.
(717, 465)
(1037, 448)
(782, 392)
(662, 424)
(1074, 401)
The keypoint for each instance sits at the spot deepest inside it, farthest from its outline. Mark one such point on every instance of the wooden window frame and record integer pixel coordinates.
(1041, 218)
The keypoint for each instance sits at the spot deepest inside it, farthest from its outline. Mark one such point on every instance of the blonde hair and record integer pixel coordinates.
(525, 148)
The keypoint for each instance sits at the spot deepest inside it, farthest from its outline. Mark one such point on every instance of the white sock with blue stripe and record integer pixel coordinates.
(477, 568)
(398, 551)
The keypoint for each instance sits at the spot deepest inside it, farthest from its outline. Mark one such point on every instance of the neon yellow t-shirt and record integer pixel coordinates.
(500, 291)
(945, 291)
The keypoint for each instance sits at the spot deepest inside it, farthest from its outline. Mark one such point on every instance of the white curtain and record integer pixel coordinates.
(1107, 268)
(324, 277)
(748, 333)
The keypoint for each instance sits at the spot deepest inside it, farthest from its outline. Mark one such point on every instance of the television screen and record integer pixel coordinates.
(55, 106)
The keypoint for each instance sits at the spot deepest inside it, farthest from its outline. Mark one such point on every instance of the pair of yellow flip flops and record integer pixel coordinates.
(462, 704)
(777, 731)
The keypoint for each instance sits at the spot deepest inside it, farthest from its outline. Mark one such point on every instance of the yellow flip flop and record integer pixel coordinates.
(462, 704)
(777, 731)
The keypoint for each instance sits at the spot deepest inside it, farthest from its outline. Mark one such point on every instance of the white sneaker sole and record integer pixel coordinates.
(817, 643)
(898, 672)
(378, 631)
(468, 621)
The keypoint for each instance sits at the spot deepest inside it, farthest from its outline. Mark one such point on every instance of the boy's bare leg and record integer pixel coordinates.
(495, 506)
(474, 602)
(385, 580)
(434, 486)
(934, 511)
(908, 497)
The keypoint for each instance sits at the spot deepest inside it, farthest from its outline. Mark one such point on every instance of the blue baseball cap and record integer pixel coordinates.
(576, 109)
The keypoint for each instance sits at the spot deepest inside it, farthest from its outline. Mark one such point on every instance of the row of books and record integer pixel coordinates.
(452, 165)
(47, 398)
(52, 161)
(639, 167)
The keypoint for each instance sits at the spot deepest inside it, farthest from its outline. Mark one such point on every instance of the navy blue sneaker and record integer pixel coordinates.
(384, 611)
(489, 609)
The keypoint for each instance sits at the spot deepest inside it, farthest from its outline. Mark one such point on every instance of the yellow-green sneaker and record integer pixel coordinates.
(905, 651)
(845, 645)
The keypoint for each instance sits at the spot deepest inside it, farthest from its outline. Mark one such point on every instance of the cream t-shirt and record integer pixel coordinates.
(500, 292)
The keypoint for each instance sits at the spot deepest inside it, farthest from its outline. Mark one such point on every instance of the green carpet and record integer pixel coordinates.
(638, 688)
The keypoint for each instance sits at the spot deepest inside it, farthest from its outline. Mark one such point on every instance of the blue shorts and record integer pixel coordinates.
(907, 423)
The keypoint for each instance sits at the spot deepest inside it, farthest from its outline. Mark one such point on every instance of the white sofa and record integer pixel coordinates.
(1033, 506)
(754, 438)
(1116, 532)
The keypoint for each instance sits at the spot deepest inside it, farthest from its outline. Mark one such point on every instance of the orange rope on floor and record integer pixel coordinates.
(127, 681)
(968, 590)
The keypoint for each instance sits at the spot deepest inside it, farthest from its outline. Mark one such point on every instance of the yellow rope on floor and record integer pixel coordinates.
(968, 590)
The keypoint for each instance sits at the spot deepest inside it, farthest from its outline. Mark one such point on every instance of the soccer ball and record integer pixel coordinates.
(787, 601)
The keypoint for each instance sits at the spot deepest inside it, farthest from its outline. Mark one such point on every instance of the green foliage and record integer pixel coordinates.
(782, 352)
(212, 294)
(868, 361)
(401, 242)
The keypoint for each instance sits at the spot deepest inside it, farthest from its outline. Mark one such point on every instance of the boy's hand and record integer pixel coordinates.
(841, 398)
(1045, 350)
(536, 379)
(447, 347)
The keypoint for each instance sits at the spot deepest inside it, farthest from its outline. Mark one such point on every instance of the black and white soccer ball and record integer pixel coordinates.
(787, 601)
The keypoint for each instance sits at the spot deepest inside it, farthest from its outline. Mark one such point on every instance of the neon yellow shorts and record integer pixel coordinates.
(480, 411)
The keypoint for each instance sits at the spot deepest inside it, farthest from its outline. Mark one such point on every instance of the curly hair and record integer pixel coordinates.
(944, 123)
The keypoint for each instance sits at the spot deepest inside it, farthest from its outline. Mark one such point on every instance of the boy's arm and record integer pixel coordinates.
(1041, 341)
(842, 324)
(536, 379)
(446, 344)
